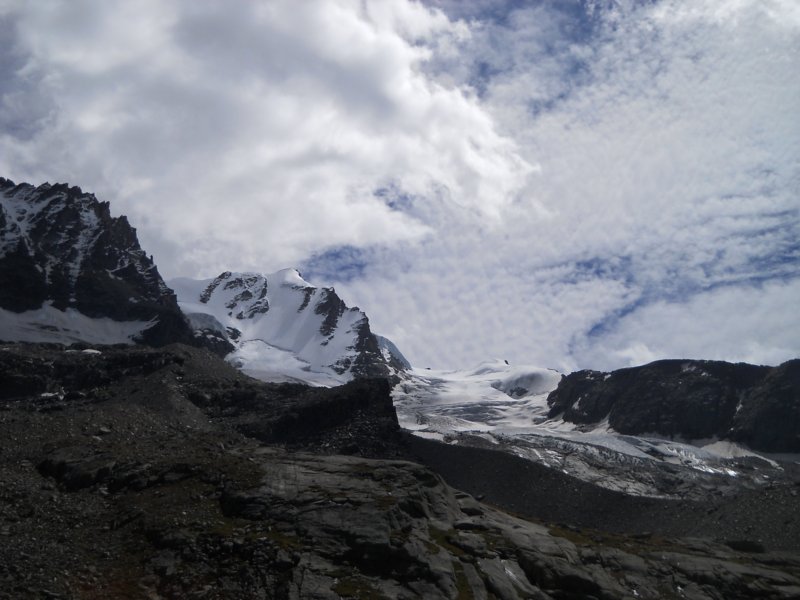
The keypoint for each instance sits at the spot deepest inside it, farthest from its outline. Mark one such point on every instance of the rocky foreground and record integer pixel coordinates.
(141, 473)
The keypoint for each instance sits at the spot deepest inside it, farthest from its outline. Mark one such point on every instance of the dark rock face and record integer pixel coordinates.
(331, 307)
(61, 245)
(19, 266)
(132, 472)
(213, 339)
(770, 415)
(356, 418)
(369, 361)
(690, 399)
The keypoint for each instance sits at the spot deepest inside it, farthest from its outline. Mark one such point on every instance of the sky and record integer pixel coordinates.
(562, 183)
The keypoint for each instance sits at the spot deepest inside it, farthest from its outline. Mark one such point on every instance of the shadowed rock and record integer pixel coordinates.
(143, 472)
(60, 245)
(690, 399)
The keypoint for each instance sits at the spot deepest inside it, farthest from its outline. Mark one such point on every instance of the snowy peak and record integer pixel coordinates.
(66, 253)
(244, 295)
(280, 327)
(64, 229)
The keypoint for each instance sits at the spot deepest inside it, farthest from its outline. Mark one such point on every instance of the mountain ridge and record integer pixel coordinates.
(80, 275)
(65, 252)
(166, 472)
(279, 321)
(758, 406)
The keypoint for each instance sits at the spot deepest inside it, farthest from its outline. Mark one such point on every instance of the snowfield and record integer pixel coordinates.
(50, 325)
(492, 395)
(505, 407)
(282, 327)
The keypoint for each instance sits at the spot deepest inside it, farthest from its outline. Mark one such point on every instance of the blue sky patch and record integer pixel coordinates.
(339, 264)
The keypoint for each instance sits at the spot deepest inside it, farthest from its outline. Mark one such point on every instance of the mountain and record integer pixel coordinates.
(80, 275)
(278, 327)
(690, 400)
(134, 472)
(674, 429)
(72, 272)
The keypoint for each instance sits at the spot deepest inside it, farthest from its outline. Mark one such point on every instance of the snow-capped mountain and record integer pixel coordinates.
(669, 437)
(72, 272)
(279, 327)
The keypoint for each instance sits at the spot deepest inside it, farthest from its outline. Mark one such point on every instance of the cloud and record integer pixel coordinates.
(569, 184)
(741, 324)
(668, 144)
(251, 134)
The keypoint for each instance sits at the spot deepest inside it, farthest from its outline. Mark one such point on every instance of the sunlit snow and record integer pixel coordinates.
(506, 406)
(278, 324)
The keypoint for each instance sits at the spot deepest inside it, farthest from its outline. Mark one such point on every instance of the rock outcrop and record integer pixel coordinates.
(137, 472)
(690, 399)
(62, 249)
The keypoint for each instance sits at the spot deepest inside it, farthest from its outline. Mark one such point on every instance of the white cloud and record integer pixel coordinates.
(668, 146)
(252, 134)
(565, 184)
(729, 323)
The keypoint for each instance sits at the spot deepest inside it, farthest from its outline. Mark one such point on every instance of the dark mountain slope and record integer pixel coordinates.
(60, 246)
(133, 472)
(691, 400)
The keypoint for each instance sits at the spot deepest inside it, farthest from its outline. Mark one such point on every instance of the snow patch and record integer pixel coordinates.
(726, 449)
(266, 362)
(50, 325)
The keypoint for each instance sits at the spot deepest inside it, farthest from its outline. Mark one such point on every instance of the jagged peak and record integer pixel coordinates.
(282, 317)
(31, 190)
(68, 251)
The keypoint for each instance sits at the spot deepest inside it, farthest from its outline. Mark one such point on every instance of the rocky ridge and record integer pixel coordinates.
(63, 249)
(691, 400)
(80, 275)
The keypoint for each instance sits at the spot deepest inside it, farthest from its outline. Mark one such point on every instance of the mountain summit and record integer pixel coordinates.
(280, 327)
(72, 272)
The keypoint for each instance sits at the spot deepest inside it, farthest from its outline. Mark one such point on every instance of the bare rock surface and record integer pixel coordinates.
(761, 516)
(62, 247)
(141, 473)
(690, 399)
